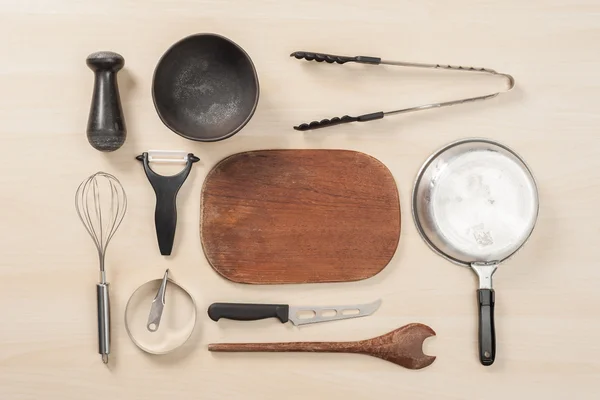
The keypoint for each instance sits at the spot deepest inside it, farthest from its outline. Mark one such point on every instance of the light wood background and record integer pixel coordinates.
(547, 296)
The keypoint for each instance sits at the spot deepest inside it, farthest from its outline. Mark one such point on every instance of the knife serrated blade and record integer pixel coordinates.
(331, 313)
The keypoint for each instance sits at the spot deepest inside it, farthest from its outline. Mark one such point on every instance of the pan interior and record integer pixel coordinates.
(205, 87)
(475, 201)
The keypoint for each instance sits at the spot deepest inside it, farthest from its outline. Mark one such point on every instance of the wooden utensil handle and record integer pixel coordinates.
(317, 347)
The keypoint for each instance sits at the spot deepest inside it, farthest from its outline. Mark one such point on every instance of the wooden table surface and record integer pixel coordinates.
(546, 296)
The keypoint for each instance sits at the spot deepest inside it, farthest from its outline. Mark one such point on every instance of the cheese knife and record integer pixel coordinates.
(285, 312)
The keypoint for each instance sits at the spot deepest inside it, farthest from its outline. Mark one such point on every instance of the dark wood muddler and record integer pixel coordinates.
(403, 346)
(106, 125)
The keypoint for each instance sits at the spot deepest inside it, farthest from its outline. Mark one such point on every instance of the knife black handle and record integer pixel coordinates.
(248, 311)
(487, 334)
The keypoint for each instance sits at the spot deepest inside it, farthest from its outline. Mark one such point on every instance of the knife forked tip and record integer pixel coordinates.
(376, 304)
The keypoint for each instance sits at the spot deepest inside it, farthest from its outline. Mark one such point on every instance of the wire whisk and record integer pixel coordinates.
(101, 204)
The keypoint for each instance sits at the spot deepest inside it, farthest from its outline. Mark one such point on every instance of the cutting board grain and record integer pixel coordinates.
(299, 216)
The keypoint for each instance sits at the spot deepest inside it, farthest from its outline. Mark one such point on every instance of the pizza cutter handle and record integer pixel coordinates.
(487, 334)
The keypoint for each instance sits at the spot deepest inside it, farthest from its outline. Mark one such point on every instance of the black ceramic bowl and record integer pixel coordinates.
(205, 88)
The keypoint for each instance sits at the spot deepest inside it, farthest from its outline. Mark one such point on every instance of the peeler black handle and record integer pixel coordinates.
(166, 189)
(106, 125)
(487, 330)
(165, 217)
(330, 58)
(324, 123)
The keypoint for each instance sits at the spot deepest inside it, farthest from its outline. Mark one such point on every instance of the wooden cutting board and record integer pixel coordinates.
(299, 216)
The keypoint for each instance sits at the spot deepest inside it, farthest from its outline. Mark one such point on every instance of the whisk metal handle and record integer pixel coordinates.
(103, 303)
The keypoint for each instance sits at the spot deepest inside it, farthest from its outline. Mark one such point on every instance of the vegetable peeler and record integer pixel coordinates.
(166, 189)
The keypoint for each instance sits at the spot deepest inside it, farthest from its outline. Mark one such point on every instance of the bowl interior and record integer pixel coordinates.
(205, 88)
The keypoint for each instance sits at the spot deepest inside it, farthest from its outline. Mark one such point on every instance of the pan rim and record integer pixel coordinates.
(254, 74)
(428, 162)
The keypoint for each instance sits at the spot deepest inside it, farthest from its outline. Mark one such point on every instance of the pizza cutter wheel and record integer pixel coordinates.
(177, 321)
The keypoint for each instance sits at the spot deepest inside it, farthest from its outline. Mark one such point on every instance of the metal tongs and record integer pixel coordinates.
(329, 58)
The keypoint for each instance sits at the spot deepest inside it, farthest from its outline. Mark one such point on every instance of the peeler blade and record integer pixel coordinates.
(168, 156)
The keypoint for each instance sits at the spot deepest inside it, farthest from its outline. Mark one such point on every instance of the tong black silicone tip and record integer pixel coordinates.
(324, 123)
(331, 59)
(166, 189)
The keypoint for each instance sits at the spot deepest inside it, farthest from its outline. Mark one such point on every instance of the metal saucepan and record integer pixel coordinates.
(205, 88)
(475, 202)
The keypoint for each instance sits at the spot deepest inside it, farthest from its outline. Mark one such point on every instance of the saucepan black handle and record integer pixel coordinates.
(248, 312)
(324, 123)
(487, 331)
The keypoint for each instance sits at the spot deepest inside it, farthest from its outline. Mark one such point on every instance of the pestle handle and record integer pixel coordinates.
(106, 125)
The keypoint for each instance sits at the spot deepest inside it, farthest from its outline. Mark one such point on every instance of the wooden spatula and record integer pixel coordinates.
(402, 346)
